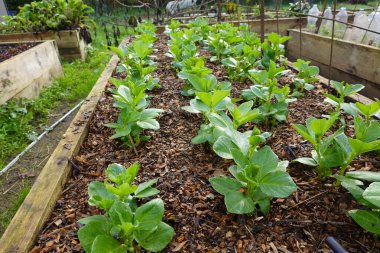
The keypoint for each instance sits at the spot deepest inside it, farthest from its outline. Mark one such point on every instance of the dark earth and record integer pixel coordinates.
(299, 223)
(7, 51)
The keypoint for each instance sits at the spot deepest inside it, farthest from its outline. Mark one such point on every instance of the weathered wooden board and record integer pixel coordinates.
(37, 206)
(351, 62)
(67, 41)
(270, 25)
(25, 74)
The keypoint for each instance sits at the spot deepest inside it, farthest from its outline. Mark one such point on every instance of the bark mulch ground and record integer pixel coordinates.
(7, 51)
(299, 223)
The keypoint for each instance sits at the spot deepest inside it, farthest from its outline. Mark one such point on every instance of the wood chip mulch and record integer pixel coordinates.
(299, 223)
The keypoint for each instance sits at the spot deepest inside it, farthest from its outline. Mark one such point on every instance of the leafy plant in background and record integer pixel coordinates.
(306, 76)
(202, 83)
(272, 49)
(369, 197)
(124, 222)
(47, 15)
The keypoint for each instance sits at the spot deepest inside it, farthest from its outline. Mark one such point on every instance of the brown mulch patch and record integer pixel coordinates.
(7, 51)
(299, 223)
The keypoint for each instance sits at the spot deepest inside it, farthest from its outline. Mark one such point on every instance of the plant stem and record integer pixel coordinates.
(133, 144)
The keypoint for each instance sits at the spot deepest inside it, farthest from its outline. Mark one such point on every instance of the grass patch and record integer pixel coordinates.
(7, 215)
(21, 120)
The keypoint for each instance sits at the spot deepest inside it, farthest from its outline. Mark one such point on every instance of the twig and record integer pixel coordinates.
(10, 188)
(338, 223)
(306, 200)
(133, 144)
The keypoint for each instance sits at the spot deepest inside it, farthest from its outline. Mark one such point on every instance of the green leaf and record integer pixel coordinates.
(107, 244)
(372, 194)
(146, 190)
(223, 147)
(147, 218)
(277, 184)
(120, 213)
(116, 173)
(303, 131)
(158, 240)
(360, 147)
(99, 196)
(369, 176)
(368, 220)
(239, 203)
(89, 232)
(225, 185)
(132, 172)
(98, 218)
(266, 160)
(149, 124)
(307, 161)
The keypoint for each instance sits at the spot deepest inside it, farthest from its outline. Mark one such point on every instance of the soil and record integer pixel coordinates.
(9, 50)
(299, 223)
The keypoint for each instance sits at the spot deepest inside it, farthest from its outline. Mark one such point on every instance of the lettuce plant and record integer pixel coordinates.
(124, 222)
(369, 197)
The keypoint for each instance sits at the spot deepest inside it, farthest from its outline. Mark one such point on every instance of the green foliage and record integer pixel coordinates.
(306, 75)
(344, 90)
(272, 49)
(369, 197)
(201, 83)
(256, 179)
(124, 221)
(50, 15)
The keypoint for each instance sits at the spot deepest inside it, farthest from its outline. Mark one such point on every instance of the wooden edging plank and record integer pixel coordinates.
(37, 206)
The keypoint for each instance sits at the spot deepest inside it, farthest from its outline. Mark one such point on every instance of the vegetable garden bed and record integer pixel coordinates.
(351, 62)
(299, 223)
(38, 61)
(70, 44)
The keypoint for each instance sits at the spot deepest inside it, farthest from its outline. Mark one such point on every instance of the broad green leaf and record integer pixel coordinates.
(370, 109)
(218, 96)
(240, 159)
(372, 194)
(368, 220)
(307, 161)
(99, 196)
(239, 203)
(223, 147)
(132, 172)
(107, 244)
(369, 176)
(149, 124)
(116, 173)
(266, 160)
(120, 213)
(98, 218)
(303, 131)
(147, 218)
(277, 184)
(360, 147)
(146, 190)
(217, 120)
(89, 232)
(224, 185)
(158, 240)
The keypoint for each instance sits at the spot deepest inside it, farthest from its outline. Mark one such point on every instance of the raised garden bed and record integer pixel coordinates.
(27, 67)
(299, 223)
(351, 62)
(70, 44)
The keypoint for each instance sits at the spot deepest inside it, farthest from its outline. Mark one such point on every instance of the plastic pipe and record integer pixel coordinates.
(334, 245)
(47, 130)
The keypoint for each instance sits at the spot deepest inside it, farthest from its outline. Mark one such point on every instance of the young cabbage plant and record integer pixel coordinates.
(256, 180)
(343, 89)
(125, 225)
(305, 77)
(369, 197)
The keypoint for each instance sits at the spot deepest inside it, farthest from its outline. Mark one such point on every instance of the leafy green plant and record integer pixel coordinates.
(201, 83)
(306, 75)
(124, 221)
(257, 178)
(243, 113)
(208, 102)
(134, 116)
(272, 49)
(47, 15)
(344, 90)
(369, 197)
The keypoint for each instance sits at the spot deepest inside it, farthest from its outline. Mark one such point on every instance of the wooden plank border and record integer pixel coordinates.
(38, 205)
